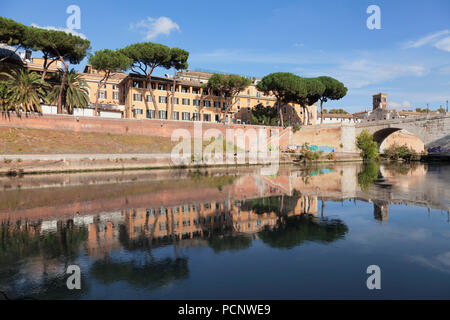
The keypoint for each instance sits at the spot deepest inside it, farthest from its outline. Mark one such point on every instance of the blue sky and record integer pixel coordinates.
(408, 58)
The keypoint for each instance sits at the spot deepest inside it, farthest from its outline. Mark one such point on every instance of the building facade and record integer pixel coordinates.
(129, 96)
(188, 101)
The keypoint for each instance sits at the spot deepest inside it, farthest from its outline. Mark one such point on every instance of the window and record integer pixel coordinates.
(186, 116)
(176, 115)
(258, 94)
(186, 102)
(137, 84)
(195, 90)
(162, 114)
(195, 116)
(149, 98)
(137, 97)
(205, 92)
(150, 114)
(102, 95)
(215, 93)
(161, 86)
(196, 102)
(137, 111)
(163, 99)
(115, 96)
(207, 103)
(207, 117)
(115, 87)
(248, 92)
(184, 90)
(216, 104)
(175, 100)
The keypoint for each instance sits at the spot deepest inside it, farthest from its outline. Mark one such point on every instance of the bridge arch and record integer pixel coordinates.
(408, 138)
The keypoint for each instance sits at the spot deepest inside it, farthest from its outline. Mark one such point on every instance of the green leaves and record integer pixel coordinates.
(146, 56)
(74, 94)
(178, 58)
(368, 147)
(12, 32)
(57, 44)
(110, 61)
(23, 89)
(334, 89)
(229, 85)
(264, 115)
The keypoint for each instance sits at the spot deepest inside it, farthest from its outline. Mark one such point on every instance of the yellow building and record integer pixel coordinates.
(127, 95)
(189, 102)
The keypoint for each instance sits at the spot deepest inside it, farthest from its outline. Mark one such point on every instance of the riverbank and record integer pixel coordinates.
(20, 164)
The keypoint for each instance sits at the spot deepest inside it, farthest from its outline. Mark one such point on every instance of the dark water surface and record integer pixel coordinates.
(307, 233)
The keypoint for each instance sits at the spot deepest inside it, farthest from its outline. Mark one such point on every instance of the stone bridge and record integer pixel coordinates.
(433, 130)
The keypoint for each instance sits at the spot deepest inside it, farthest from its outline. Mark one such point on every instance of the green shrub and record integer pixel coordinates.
(396, 152)
(368, 147)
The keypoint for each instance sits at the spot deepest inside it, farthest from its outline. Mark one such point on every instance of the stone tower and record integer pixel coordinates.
(380, 101)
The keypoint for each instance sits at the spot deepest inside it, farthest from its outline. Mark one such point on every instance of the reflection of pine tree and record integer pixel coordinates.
(293, 231)
(368, 175)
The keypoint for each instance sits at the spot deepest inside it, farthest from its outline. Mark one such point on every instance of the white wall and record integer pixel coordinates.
(83, 112)
(48, 109)
(106, 114)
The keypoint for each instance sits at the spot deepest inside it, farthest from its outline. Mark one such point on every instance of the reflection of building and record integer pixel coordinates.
(186, 221)
(381, 212)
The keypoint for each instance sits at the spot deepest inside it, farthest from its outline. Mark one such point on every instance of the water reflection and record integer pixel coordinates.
(141, 230)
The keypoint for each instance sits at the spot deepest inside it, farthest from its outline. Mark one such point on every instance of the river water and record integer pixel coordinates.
(228, 233)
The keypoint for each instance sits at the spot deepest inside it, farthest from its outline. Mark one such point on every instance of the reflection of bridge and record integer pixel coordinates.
(431, 129)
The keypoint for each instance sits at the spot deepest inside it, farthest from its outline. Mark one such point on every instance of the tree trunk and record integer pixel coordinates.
(229, 105)
(63, 83)
(305, 115)
(155, 105)
(103, 81)
(321, 111)
(171, 102)
(281, 114)
(46, 66)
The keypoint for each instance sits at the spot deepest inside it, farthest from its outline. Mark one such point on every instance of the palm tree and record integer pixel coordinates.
(74, 94)
(5, 99)
(24, 91)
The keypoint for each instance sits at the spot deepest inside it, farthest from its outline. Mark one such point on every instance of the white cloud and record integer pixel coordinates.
(153, 27)
(66, 30)
(440, 262)
(439, 40)
(400, 106)
(299, 45)
(443, 44)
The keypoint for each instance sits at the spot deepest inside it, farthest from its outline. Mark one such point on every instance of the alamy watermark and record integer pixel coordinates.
(374, 20)
(237, 146)
(74, 280)
(74, 20)
(374, 280)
